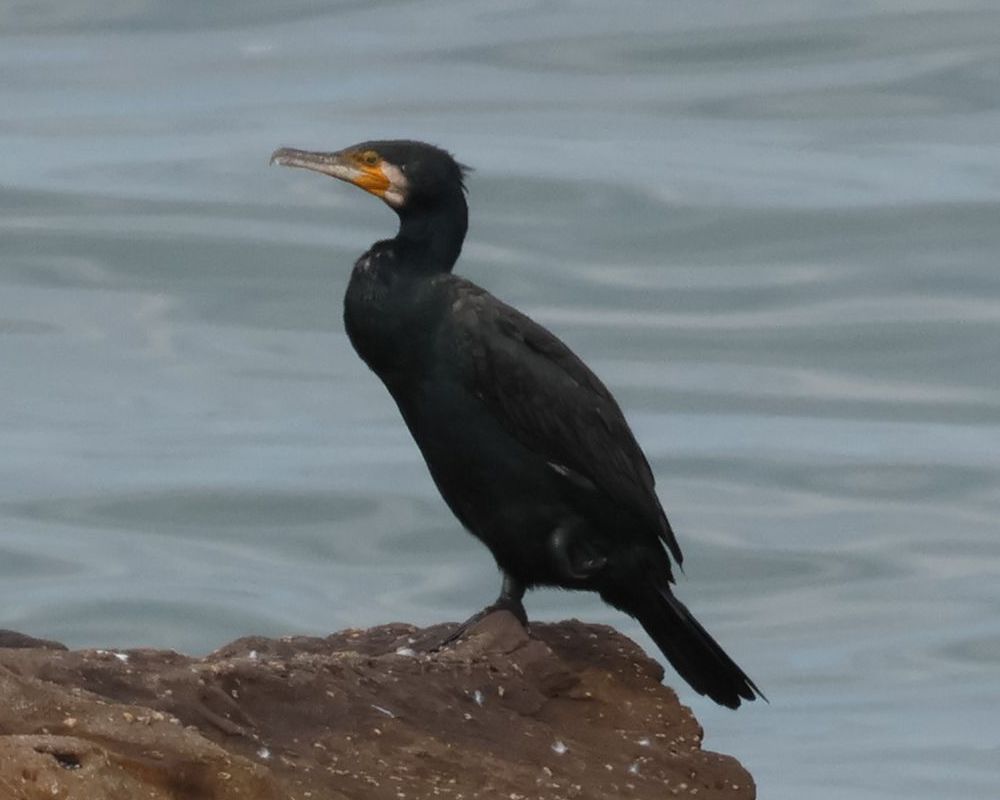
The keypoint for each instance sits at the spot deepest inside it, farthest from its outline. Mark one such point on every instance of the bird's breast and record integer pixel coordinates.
(388, 318)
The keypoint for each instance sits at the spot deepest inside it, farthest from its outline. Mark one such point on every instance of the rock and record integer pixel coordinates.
(571, 711)
(13, 640)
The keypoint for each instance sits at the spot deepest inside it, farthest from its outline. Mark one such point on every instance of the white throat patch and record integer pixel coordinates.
(395, 195)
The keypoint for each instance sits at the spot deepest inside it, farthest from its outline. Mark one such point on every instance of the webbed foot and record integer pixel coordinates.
(510, 599)
(573, 565)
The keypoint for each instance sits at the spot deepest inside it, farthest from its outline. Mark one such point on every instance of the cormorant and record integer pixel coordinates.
(526, 445)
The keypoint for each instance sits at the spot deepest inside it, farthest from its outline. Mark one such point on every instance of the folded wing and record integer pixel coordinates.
(551, 402)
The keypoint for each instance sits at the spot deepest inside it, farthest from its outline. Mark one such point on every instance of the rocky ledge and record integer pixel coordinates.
(571, 711)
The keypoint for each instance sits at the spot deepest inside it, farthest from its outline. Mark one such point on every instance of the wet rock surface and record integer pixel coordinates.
(571, 711)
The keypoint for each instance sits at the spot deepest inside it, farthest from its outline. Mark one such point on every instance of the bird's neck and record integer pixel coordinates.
(430, 236)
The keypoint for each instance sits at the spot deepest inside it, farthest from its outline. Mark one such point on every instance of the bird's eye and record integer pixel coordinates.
(370, 157)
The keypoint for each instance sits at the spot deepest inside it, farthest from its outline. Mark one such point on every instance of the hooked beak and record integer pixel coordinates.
(338, 165)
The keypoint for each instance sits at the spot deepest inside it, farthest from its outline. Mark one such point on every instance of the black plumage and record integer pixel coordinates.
(527, 446)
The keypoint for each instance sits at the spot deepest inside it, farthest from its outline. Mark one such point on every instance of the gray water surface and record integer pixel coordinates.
(772, 228)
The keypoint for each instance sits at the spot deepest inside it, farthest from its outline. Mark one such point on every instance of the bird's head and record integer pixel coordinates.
(405, 174)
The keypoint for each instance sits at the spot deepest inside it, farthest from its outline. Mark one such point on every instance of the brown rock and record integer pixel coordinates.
(573, 711)
(14, 640)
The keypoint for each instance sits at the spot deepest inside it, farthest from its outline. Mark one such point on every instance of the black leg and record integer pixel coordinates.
(510, 599)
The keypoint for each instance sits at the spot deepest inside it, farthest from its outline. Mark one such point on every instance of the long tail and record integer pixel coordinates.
(689, 648)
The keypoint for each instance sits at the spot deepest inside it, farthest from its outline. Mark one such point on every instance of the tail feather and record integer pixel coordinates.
(689, 648)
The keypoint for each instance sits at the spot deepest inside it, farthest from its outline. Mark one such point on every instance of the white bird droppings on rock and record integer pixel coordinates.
(559, 747)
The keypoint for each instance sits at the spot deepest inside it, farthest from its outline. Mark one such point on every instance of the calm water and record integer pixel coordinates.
(773, 228)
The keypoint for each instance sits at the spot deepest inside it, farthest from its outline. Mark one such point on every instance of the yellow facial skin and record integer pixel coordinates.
(364, 168)
(370, 176)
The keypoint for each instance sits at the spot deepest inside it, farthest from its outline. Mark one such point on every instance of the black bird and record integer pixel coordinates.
(526, 445)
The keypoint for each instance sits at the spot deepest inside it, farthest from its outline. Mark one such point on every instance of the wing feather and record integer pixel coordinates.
(551, 402)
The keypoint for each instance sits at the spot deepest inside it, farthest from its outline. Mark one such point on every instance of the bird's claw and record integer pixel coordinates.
(514, 606)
